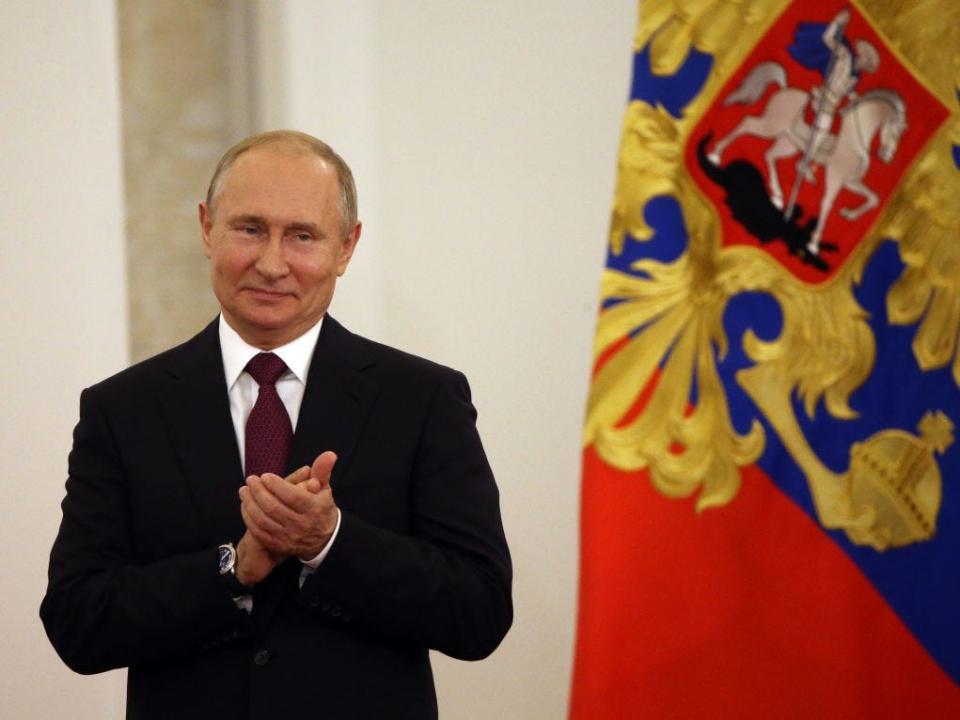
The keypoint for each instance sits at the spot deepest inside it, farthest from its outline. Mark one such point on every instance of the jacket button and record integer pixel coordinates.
(261, 657)
(314, 601)
(336, 610)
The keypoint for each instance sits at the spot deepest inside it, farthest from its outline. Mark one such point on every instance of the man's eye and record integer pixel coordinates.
(250, 229)
(303, 236)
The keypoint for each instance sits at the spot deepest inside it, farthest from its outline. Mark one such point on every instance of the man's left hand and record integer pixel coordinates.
(291, 519)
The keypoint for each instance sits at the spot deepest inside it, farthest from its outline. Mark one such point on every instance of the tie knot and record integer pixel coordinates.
(266, 368)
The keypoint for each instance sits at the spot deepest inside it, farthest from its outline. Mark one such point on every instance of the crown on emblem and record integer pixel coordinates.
(895, 474)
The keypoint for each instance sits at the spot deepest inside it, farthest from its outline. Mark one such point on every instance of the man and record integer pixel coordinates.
(827, 51)
(366, 532)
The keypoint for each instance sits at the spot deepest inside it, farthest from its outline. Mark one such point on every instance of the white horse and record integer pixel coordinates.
(845, 156)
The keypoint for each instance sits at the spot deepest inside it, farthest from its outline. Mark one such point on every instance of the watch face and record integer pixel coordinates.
(227, 555)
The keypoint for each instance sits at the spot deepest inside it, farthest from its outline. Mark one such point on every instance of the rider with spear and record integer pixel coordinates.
(831, 55)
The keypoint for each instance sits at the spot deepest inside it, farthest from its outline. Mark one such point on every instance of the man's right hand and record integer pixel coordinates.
(254, 561)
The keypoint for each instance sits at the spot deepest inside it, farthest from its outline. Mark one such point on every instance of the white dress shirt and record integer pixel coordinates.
(243, 391)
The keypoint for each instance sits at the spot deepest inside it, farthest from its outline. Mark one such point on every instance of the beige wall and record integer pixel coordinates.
(183, 84)
(63, 324)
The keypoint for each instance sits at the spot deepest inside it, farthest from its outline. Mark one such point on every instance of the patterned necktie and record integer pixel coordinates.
(268, 432)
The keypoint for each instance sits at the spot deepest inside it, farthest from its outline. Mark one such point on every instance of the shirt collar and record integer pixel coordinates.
(236, 352)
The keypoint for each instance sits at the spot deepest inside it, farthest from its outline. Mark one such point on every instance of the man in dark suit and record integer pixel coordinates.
(288, 544)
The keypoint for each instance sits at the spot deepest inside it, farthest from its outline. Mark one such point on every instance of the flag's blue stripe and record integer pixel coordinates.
(673, 92)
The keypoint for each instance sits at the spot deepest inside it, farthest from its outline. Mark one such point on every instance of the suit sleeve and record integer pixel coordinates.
(446, 585)
(103, 609)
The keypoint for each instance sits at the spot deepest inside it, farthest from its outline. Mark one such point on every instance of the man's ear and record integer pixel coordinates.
(206, 222)
(346, 250)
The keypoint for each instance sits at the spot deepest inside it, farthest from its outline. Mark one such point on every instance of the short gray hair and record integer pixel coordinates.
(296, 140)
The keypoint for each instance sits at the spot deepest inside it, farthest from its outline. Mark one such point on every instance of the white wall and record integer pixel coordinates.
(322, 54)
(484, 139)
(63, 324)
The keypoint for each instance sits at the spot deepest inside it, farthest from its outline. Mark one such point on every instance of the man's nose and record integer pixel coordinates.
(271, 262)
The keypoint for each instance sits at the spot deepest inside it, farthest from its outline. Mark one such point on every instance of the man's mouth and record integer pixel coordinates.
(267, 295)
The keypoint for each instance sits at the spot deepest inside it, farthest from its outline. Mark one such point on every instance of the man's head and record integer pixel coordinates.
(279, 226)
(868, 59)
(293, 140)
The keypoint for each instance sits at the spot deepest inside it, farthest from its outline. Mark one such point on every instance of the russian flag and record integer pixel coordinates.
(702, 597)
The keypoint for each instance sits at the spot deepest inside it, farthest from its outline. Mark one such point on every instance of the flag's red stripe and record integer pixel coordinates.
(746, 611)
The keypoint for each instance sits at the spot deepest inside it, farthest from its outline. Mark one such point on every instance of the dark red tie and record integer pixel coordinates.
(268, 432)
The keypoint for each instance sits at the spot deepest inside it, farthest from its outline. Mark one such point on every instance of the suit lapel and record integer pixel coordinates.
(335, 403)
(338, 396)
(196, 408)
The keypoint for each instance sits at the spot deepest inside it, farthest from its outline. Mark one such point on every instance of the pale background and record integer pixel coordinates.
(483, 136)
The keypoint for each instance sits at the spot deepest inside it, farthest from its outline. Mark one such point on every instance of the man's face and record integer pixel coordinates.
(276, 244)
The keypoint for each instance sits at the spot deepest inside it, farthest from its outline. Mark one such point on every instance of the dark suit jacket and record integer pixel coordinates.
(420, 560)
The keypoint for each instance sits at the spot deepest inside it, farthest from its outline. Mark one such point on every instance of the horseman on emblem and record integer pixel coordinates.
(845, 155)
(840, 69)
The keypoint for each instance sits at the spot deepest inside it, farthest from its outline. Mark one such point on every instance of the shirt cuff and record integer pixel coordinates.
(244, 602)
(314, 562)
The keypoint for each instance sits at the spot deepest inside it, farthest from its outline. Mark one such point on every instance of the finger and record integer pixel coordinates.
(295, 499)
(271, 543)
(323, 466)
(263, 492)
(257, 516)
(299, 475)
(313, 485)
(294, 474)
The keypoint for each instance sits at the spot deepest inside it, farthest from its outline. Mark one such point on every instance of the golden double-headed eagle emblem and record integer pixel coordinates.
(658, 401)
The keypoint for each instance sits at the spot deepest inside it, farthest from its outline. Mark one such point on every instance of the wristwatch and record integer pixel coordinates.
(228, 570)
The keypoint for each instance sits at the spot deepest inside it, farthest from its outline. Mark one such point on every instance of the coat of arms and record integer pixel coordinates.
(805, 147)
